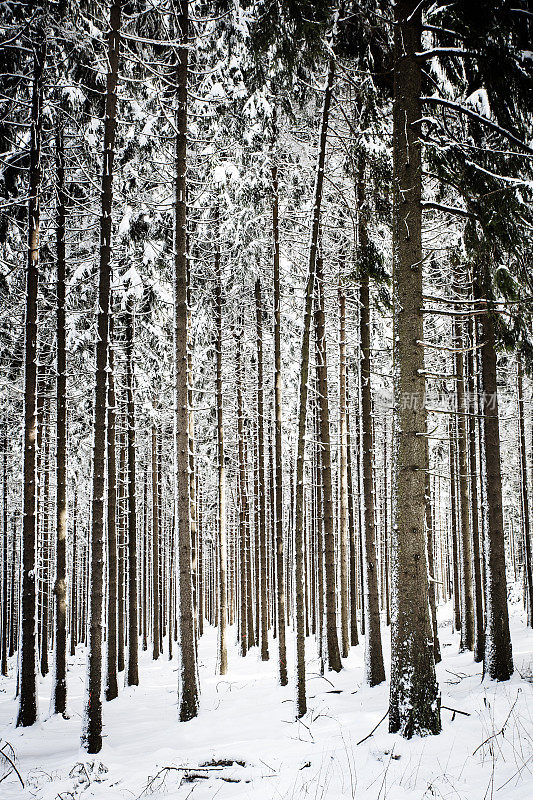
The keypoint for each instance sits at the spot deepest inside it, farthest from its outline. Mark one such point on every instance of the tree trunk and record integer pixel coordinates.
(525, 489)
(4, 643)
(301, 701)
(333, 658)
(92, 724)
(222, 547)
(467, 623)
(74, 577)
(27, 710)
(132, 673)
(343, 476)
(188, 699)
(263, 610)
(155, 546)
(374, 666)
(59, 701)
(453, 528)
(479, 641)
(111, 684)
(414, 696)
(278, 418)
(498, 663)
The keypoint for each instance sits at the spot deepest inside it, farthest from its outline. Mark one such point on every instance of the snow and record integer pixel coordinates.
(246, 719)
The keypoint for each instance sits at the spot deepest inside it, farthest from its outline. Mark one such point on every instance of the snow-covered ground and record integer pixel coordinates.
(246, 744)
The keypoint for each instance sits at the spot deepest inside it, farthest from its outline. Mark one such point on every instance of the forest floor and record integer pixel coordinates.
(245, 743)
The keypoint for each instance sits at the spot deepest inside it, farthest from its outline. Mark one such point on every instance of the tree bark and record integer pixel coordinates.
(92, 725)
(132, 673)
(414, 696)
(374, 666)
(263, 609)
(524, 489)
(467, 621)
(278, 419)
(111, 684)
(188, 698)
(301, 701)
(498, 662)
(59, 700)
(343, 476)
(27, 710)
(333, 658)
(222, 546)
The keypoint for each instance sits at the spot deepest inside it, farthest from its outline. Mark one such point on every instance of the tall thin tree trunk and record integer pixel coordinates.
(498, 663)
(92, 724)
(155, 546)
(74, 577)
(4, 643)
(343, 476)
(467, 623)
(59, 701)
(414, 695)
(453, 527)
(222, 547)
(354, 636)
(301, 700)
(132, 673)
(278, 418)
(479, 640)
(189, 690)
(333, 658)
(263, 610)
(525, 489)
(111, 680)
(374, 666)
(27, 710)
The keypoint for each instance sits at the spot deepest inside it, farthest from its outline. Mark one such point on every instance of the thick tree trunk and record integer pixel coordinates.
(301, 701)
(27, 710)
(498, 663)
(92, 724)
(374, 666)
(59, 700)
(414, 696)
(188, 698)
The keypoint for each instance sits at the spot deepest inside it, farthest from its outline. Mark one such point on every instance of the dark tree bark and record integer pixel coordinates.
(27, 710)
(414, 696)
(4, 643)
(524, 489)
(278, 418)
(111, 684)
(467, 616)
(222, 547)
(132, 673)
(479, 641)
(498, 662)
(59, 700)
(92, 724)
(343, 476)
(155, 547)
(263, 588)
(374, 666)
